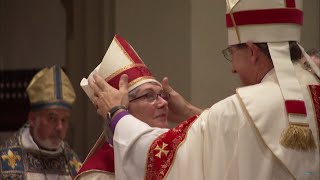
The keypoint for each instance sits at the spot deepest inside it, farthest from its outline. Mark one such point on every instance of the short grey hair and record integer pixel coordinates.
(133, 93)
(295, 52)
(314, 52)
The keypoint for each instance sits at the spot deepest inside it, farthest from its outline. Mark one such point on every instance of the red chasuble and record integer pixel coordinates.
(102, 159)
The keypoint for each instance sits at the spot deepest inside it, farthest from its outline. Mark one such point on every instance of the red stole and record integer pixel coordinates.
(163, 149)
(315, 95)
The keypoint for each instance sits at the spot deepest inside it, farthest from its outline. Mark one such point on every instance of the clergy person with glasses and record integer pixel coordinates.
(147, 102)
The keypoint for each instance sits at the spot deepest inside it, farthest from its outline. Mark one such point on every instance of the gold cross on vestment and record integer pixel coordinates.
(75, 163)
(11, 158)
(161, 150)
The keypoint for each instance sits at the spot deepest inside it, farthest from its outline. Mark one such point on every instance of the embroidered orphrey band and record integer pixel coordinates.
(162, 151)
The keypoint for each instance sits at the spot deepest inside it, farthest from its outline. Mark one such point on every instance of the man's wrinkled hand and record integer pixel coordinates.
(179, 108)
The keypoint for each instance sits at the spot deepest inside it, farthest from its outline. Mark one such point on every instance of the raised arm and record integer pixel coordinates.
(132, 137)
(106, 97)
(179, 108)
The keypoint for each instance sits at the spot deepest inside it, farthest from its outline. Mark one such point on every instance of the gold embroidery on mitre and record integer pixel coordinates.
(161, 150)
(75, 163)
(139, 79)
(11, 159)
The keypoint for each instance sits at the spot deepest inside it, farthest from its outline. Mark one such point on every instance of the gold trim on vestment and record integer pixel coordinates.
(174, 156)
(93, 171)
(250, 120)
(166, 166)
(315, 110)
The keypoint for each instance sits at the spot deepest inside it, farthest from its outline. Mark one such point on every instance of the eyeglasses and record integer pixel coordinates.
(152, 96)
(227, 54)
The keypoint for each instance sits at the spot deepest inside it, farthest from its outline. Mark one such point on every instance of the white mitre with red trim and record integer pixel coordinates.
(275, 22)
(263, 20)
(120, 59)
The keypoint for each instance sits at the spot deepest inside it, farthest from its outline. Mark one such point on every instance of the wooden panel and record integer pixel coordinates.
(14, 102)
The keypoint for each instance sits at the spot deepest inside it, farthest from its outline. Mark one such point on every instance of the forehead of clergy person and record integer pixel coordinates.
(263, 35)
(147, 100)
(51, 96)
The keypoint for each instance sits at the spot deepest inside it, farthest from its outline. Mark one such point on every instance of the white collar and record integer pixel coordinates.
(270, 76)
(28, 142)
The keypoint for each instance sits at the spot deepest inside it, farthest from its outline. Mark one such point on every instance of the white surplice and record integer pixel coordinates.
(237, 138)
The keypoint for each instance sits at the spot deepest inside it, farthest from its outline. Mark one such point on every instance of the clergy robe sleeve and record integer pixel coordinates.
(132, 140)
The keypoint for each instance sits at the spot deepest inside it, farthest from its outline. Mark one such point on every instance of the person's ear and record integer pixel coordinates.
(255, 51)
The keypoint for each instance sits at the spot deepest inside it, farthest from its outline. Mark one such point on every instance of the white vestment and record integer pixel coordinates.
(237, 138)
